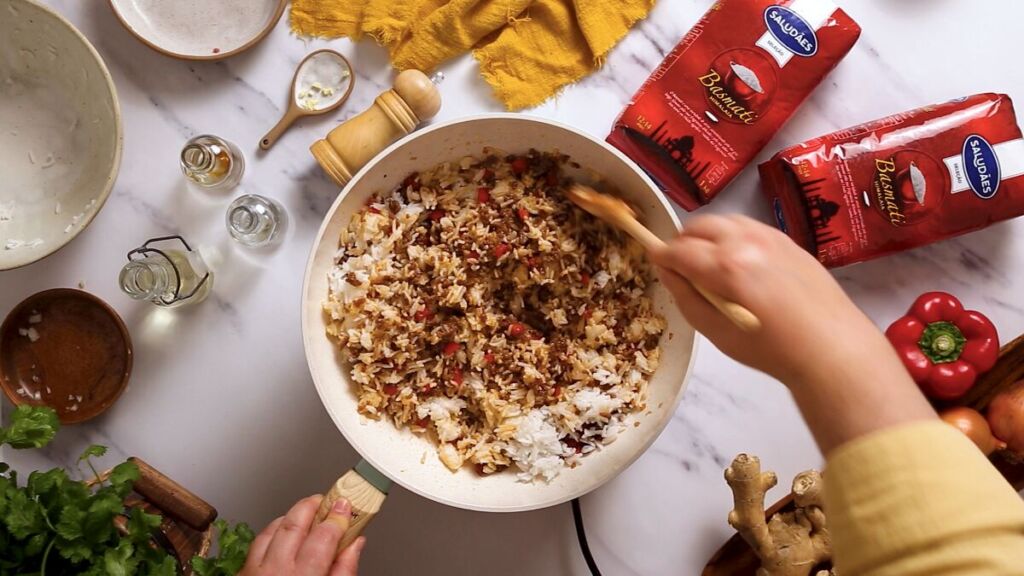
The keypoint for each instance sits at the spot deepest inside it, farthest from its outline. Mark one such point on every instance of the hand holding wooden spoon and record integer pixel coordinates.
(617, 213)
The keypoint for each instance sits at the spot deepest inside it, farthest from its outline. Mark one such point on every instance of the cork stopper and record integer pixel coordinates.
(419, 93)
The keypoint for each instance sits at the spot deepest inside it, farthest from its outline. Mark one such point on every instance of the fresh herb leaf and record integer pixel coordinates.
(167, 566)
(98, 526)
(202, 566)
(31, 427)
(36, 544)
(233, 546)
(123, 477)
(88, 454)
(69, 527)
(76, 552)
(24, 516)
(141, 525)
(94, 451)
(48, 485)
(119, 561)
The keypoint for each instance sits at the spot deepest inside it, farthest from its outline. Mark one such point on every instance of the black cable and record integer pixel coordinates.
(581, 535)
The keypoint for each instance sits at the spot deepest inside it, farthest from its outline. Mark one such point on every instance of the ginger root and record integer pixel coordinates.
(789, 543)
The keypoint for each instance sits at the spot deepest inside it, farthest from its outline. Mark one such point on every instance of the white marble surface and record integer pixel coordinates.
(221, 399)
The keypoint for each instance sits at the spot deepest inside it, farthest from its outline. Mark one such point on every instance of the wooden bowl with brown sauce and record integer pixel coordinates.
(65, 349)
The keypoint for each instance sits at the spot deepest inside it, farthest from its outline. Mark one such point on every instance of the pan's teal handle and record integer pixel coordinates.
(373, 476)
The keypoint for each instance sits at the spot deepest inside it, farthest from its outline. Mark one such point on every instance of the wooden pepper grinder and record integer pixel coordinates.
(413, 99)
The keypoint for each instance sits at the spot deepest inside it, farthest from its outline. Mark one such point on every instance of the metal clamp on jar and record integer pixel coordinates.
(167, 277)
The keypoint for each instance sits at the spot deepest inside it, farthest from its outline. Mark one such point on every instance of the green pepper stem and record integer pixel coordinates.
(942, 342)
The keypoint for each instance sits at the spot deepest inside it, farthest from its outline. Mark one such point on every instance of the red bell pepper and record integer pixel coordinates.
(944, 347)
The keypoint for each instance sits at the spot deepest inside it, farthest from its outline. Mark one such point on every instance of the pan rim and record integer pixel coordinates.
(607, 473)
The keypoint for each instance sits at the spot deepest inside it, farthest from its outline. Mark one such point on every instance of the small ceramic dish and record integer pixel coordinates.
(199, 29)
(60, 132)
(65, 349)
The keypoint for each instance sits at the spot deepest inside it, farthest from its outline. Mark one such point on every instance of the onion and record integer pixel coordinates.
(1006, 417)
(973, 425)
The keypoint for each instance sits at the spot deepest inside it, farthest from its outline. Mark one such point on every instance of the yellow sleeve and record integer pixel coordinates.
(921, 499)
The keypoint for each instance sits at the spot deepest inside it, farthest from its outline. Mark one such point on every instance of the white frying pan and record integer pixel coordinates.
(397, 455)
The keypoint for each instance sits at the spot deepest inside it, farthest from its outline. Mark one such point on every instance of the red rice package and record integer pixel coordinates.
(900, 182)
(727, 88)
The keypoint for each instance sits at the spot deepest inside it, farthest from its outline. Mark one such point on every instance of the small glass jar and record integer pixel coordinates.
(167, 277)
(255, 220)
(212, 162)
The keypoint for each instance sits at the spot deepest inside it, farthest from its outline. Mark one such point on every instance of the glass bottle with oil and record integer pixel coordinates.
(212, 163)
(166, 276)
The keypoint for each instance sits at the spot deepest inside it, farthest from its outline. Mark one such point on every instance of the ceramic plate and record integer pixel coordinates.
(60, 132)
(199, 29)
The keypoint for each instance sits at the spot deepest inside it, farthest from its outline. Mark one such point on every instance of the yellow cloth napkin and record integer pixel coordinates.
(528, 50)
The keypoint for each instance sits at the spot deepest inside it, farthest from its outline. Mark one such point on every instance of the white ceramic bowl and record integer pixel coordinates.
(199, 29)
(400, 454)
(60, 132)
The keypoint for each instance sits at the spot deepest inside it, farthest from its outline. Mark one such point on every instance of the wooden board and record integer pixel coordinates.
(180, 540)
(186, 530)
(735, 558)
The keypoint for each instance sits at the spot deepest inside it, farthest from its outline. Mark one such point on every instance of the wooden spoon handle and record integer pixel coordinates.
(641, 234)
(744, 319)
(283, 124)
(366, 502)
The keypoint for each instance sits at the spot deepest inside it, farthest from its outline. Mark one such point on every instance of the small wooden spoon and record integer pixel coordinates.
(308, 88)
(617, 213)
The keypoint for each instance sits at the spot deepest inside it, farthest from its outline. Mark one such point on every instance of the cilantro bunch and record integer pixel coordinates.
(56, 525)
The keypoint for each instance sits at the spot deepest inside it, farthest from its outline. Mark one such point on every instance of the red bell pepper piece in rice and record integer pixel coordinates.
(519, 165)
(944, 347)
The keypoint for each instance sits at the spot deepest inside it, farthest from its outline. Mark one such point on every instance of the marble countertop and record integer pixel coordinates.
(221, 398)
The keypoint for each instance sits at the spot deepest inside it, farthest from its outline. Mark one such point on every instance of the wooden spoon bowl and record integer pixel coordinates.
(295, 111)
(618, 213)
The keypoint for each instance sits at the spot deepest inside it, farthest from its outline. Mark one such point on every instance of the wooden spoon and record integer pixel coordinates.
(319, 71)
(617, 213)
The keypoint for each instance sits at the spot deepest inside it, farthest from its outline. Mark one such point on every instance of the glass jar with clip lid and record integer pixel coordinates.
(168, 276)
